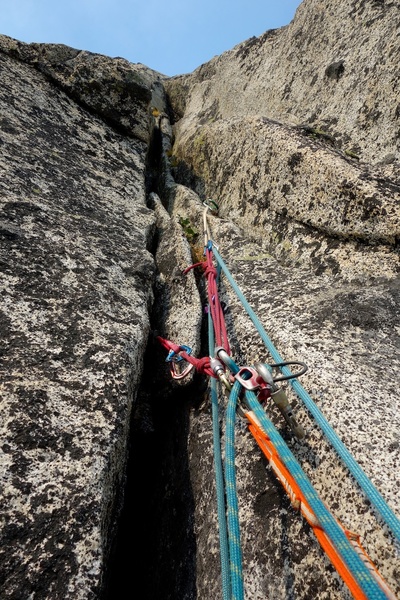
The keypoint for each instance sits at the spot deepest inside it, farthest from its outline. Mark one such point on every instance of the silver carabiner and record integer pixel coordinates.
(219, 371)
(224, 357)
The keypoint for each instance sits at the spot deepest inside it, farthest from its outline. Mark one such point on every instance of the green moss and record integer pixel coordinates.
(318, 133)
(189, 230)
(199, 141)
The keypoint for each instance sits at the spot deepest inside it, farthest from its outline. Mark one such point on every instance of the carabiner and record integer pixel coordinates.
(175, 356)
(175, 359)
(219, 371)
(224, 357)
(265, 373)
(178, 374)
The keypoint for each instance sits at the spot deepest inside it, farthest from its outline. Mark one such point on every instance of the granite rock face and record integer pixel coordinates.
(295, 136)
(113, 88)
(321, 71)
(76, 290)
(106, 166)
(309, 201)
(345, 328)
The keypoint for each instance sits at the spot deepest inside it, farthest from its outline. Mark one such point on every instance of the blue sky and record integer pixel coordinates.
(170, 36)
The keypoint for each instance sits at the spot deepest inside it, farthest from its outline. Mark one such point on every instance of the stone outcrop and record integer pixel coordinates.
(76, 289)
(333, 69)
(294, 135)
(105, 169)
(310, 202)
(114, 89)
(334, 323)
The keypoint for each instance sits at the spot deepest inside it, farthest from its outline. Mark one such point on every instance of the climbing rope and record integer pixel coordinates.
(249, 387)
(235, 552)
(372, 493)
(219, 477)
(359, 572)
(299, 502)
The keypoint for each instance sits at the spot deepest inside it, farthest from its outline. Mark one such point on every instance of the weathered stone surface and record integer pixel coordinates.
(309, 231)
(179, 308)
(76, 286)
(345, 330)
(114, 88)
(305, 198)
(297, 141)
(335, 68)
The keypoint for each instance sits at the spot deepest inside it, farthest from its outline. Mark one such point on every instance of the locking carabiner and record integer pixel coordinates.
(220, 372)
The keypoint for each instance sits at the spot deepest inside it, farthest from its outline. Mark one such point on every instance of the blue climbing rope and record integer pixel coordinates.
(231, 497)
(219, 477)
(367, 486)
(228, 512)
(336, 534)
(350, 556)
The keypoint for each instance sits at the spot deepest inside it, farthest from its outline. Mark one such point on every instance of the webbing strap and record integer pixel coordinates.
(215, 307)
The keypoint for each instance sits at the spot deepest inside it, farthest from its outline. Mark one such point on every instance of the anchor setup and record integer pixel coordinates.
(250, 390)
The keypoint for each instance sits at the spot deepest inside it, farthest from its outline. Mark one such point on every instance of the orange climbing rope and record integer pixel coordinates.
(300, 503)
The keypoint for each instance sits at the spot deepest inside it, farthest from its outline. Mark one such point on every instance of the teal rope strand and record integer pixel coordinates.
(346, 550)
(219, 477)
(367, 486)
(231, 498)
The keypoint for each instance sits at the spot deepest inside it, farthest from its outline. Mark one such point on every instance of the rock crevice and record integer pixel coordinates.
(105, 169)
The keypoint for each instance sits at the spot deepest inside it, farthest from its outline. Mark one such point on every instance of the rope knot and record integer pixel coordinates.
(210, 270)
(203, 366)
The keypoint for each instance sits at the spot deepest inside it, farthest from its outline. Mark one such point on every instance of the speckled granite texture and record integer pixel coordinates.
(76, 285)
(295, 135)
(321, 71)
(346, 330)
